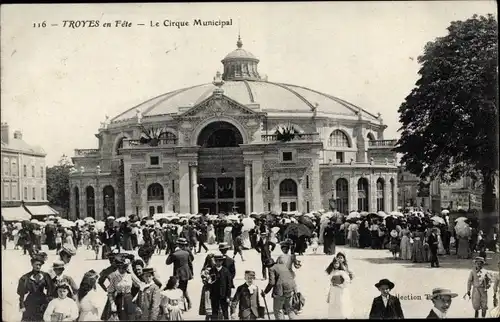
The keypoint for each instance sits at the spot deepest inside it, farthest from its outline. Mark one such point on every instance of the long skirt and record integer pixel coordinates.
(405, 248)
(125, 308)
(339, 303)
(417, 251)
(35, 305)
(463, 248)
(205, 303)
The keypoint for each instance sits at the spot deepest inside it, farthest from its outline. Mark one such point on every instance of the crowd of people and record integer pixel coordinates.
(135, 292)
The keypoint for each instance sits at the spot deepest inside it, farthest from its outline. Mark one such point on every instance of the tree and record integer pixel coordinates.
(450, 119)
(58, 183)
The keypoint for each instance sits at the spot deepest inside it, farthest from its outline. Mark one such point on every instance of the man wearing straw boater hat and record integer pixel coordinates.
(480, 281)
(441, 298)
(182, 258)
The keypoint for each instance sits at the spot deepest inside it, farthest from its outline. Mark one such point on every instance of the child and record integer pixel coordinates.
(395, 244)
(172, 301)
(481, 246)
(62, 308)
(314, 242)
(248, 297)
(379, 309)
(238, 244)
(480, 281)
(148, 299)
(60, 278)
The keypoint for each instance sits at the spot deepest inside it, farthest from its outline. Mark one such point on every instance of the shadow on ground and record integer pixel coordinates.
(445, 261)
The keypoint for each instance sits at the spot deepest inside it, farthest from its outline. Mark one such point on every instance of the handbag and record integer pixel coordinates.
(298, 301)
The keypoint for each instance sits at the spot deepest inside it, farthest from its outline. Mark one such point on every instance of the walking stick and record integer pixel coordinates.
(265, 305)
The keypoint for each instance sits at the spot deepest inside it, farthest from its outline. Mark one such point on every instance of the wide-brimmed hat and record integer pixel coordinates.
(479, 259)
(219, 256)
(58, 264)
(250, 273)
(121, 260)
(223, 246)
(442, 292)
(68, 249)
(182, 241)
(385, 281)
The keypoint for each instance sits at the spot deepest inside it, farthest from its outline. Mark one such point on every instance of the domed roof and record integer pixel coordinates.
(240, 53)
(273, 98)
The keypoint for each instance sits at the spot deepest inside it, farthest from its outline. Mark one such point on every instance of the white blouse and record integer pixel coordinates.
(67, 307)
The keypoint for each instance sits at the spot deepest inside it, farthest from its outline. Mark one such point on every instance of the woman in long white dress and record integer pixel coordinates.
(339, 298)
(87, 297)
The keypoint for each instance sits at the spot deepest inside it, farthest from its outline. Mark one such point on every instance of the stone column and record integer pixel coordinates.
(257, 186)
(128, 186)
(248, 187)
(82, 202)
(395, 195)
(98, 197)
(315, 184)
(372, 193)
(353, 195)
(184, 191)
(193, 168)
(387, 192)
(300, 195)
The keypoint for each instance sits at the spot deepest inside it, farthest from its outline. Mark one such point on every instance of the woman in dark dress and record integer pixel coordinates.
(207, 279)
(36, 286)
(329, 239)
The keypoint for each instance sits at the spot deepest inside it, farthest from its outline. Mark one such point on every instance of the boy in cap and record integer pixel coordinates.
(65, 254)
(480, 281)
(386, 306)
(247, 296)
(441, 298)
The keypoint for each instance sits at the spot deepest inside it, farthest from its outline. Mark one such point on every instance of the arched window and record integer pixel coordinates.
(109, 201)
(339, 139)
(14, 170)
(77, 202)
(380, 194)
(370, 137)
(119, 146)
(288, 188)
(33, 171)
(89, 191)
(168, 138)
(342, 189)
(155, 192)
(25, 170)
(392, 194)
(363, 194)
(6, 166)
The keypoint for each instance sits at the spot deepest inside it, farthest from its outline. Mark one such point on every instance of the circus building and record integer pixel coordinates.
(240, 143)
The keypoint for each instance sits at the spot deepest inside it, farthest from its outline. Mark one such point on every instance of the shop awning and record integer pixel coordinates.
(15, 214)
(43, 210)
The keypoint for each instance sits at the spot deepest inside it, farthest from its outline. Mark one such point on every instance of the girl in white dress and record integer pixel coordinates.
(62, 308)
(339, 298)
(87, 297)
(172, 301)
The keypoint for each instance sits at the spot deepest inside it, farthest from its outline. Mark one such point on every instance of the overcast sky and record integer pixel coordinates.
(59, 83)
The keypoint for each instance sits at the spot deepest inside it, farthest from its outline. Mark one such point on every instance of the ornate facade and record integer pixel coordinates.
(219, 151)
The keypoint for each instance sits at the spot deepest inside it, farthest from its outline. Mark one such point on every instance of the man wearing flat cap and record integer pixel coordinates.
(228, 261)
(248, 297)
(386, 306)
(480, 281)
(182, 258)
(441, 298)
(65, 254)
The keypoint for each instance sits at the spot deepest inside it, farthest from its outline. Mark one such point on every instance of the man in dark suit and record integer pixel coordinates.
(182, 259)
(247, 296)
(386, 306)
(265, 247)
(433, 242)
(441, 298)
(220, 289)
(228, 261)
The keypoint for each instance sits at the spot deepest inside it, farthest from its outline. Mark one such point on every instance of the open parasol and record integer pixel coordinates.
(445, 211)
(396, 214)
(80, 222)
(248, 224)
(121, 219)
(297, 230)
(89, 220)
(354, 215)
(275, 229)
(232, 217)
(461, 219)
(438, 220)
(381, 214)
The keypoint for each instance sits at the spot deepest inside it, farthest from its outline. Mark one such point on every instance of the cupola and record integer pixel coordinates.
(240, 64)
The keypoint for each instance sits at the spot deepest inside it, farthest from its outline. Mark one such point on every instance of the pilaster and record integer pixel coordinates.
(184, 193)
(248, 187)
(257, 186)
(193, 168)
(372, 193)
(353, 195)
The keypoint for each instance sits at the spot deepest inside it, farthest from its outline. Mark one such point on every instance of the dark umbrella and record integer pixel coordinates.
(306, 221)
(297, 230)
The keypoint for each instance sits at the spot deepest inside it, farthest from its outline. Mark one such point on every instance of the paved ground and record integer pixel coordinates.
(369, 266)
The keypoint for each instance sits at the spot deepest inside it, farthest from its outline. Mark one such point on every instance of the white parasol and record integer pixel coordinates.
(100, 225)
(381, 214)
(396, 214)
(438, 219)
(121, 219)
(248, 224)
(310, 215)
(80, 222)
(160, 216)
(232, 217)
(461, 219)
(353, 215)
(462, 229)
(150, 222)
(89, 219)
(275, 229)
(445, 211)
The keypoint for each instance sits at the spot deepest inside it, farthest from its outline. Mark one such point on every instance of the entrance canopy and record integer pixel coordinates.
(43, 210)
(15, 214)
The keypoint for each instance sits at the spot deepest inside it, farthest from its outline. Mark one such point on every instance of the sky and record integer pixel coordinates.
(58, 83)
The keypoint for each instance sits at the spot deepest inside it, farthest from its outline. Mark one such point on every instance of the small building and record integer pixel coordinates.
(24, 185)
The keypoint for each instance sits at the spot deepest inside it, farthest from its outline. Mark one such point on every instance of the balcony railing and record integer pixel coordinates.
(159, 142)
(382, 143)
(308, 137)
(86, 152)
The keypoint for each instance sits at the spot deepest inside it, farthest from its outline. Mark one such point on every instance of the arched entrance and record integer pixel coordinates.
(288, 195)
(221, 173)
(109, 201)
(155, 199)
(89, 191)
